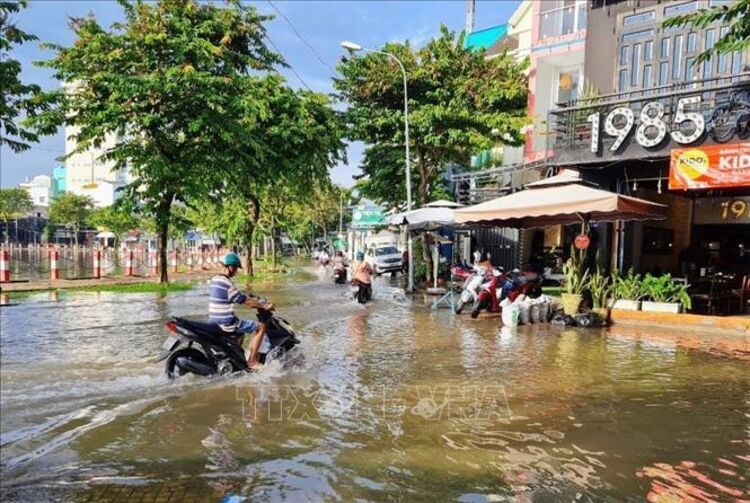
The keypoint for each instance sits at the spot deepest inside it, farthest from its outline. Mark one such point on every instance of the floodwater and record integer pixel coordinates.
(393, 401)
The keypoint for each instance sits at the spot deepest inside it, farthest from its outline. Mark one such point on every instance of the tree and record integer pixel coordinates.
(16, 98)
(459, 103)
(288, 139)
(736, 15)
(168, 82)
(117, 220)
(71, 210)
(14, 203)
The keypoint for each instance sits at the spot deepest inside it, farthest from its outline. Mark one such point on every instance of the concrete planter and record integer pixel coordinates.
(661, 307)
(627, 305)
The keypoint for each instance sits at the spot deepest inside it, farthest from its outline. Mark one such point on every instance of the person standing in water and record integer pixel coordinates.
(362, 277)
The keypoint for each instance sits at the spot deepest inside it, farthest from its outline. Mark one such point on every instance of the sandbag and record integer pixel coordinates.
(534, 311)
(510, 314)
(543, 309)
(523, 312)
(589, 319)
(563, 320)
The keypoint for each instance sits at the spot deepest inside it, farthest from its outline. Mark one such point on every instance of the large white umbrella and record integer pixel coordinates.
(432, 216)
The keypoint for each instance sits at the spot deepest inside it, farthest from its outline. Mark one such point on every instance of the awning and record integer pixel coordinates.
(105, 235)
(562, 199)
(432, 216)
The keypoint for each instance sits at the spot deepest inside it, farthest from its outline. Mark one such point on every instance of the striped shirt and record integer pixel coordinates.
(222, 297)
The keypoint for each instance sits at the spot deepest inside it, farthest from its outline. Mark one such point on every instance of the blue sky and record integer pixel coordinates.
(324, 24)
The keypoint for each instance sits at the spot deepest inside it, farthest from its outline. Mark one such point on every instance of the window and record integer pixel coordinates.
(736, 62)
(624, 54)
(689, 70)
(663, 73)
(567, 85)
(677, 58)
(708, 65)
(623, 84)
(646, 77)
(664, 48)
(680, 9)
(561, 17)
(637, 35)
(636, 65)
(638, 18)
(722, 65)
(714, 3)
(648, 51)
(691, 40)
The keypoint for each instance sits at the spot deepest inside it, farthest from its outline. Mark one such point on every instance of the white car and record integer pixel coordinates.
(384, 258)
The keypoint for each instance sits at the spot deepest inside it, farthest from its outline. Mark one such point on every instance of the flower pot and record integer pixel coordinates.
(627, 305)
(571, 302)
(661, 307)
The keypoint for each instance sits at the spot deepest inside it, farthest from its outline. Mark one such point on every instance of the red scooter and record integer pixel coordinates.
(488, 295)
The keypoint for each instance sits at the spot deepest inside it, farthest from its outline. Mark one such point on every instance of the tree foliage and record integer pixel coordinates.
(736, 15)
(71, 210)
(169, 81)
(117, 220)
(459, 103)
(16, 98)
(14, 203)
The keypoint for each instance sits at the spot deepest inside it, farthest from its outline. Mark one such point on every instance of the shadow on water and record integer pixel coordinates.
(391, 401)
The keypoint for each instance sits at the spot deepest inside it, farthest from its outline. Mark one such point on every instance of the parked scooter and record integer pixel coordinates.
(205, 349)
(488, 298)
(473, 277)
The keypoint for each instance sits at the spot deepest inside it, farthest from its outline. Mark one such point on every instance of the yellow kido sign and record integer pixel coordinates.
(692, 164)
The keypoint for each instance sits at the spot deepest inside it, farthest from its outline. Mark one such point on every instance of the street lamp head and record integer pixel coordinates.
(351, 46)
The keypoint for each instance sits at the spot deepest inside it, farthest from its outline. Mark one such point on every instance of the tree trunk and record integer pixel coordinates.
(273, 247)
(164, 212)
(252, 214)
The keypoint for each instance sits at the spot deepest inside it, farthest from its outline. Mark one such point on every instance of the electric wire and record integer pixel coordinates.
(299, 35)
(273, 44)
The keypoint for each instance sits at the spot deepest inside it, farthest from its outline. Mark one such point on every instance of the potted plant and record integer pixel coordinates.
(626, 291)
(664, 295)
(600, 288)
(575, 281)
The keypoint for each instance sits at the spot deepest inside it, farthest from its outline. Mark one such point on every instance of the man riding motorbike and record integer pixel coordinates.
(222, 297)
(362, 277)
(339, 267)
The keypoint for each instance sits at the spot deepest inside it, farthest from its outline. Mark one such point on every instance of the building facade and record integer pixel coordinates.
(39, 189)
(663, 128)
(89, 174)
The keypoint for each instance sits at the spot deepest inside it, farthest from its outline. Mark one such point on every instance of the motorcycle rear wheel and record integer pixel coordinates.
(173, 371)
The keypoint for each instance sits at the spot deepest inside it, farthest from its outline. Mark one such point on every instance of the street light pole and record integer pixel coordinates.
(351, 46)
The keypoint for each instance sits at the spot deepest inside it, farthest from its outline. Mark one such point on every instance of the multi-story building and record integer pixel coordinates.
(59, 181)
(662, 127)
(40, 191)
(89, 174)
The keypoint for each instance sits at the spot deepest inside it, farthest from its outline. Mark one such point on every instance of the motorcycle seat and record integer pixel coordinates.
(203, 327)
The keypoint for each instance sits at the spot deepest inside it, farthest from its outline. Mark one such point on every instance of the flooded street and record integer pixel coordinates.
(392, 402)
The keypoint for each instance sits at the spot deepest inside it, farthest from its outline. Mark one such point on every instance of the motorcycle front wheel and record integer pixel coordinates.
(190, 354)
(481, 304)
(460, 306)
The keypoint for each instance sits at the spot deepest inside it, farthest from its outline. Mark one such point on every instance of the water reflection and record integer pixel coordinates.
(392, 401)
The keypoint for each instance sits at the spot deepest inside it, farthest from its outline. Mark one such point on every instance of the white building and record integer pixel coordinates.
(89, 175)
(40, 190)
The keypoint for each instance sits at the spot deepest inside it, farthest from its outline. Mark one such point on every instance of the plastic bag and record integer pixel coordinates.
(534, 312)
(510, 315)
(589, 319)
(563, 320)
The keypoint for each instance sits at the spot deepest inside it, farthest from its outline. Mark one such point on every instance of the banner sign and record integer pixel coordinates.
(722, 210)
(367, 218)
(708, 167)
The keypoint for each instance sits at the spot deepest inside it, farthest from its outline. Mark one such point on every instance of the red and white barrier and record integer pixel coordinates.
(153, 263)
(54, 271)
(4, 265)
(129, 263)
(97, 264)
(174, 261)
(189, 259)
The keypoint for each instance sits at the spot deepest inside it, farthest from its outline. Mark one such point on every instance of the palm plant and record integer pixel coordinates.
(627, 286)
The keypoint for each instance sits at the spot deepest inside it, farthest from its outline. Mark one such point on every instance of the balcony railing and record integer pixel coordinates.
(649, 123)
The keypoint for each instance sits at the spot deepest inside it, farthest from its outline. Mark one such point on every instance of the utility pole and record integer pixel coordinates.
(470, 5)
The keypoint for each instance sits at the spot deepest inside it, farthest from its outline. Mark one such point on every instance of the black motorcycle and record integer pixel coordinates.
(205, 349)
